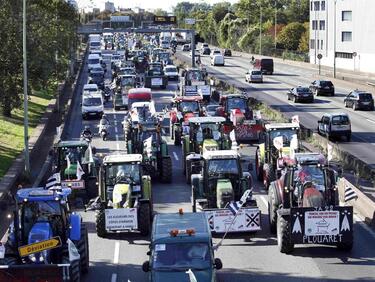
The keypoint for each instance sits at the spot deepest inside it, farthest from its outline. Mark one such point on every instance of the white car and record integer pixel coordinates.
(171, 72)
(215, 52)
(92, 105)
(90, 88)
(254, 76)
(93, 59)
(217, 60)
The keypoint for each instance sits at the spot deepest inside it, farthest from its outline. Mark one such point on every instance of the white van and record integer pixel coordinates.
(217, 60)
(90, 88)
(92, 105)
(94, 59)
(95, 45)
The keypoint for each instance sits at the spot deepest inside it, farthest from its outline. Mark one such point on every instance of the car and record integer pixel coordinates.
(186, 48)
(227, 52)
(204, 45)
(90, 87)
(217, 60)
(215, 52)
(171, 72)
(322, 87)
(205, 51)
(359, 100)
(300, 94)
(264, 65)
(92, 105)
(335, 125)
(254, 76)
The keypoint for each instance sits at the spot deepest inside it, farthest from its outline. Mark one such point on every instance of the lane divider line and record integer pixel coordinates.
(175, 156)
(114, 277)
(116, 253)
(263, 198)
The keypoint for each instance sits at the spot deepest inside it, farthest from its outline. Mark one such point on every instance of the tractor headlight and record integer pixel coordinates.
(32, 257)
(137, 188)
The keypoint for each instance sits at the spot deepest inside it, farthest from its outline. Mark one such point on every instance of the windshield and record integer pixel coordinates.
(205, 131)
(287, 134)
(88, 102)
(116, 173)
(256, 73)
(194, 75)
(94, 61)
(97, 75)
(115, 57)
(90, 89)
(365, 96)
(309, 173)
(340, 120)
(326, 83)
(170, 69)
(237, 103)
(133, 100)
(127, 81)
(189, 106)
(222, 166)
(303, 90)
(181, 256)
(95, 43)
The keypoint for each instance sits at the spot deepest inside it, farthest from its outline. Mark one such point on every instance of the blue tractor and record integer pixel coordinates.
(46, 241)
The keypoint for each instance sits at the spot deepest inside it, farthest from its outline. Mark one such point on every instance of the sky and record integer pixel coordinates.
(145, 4)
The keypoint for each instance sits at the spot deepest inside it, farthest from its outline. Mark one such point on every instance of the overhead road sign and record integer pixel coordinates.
(120, 19)
(165, 19)
(40, 246)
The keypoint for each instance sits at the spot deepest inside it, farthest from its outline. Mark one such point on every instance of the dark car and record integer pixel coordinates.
(322, 87)
(300, 94)
(227, 52)
(264, 65)
(359, 100)
(206, 51)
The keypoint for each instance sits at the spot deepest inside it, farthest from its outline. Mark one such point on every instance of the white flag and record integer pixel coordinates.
(80, 171)
(329, 152)
(67, 162)
(192, 277)
(73, 252)
(258, 115)
(278, 142)
(91, 158)
(54, 181)
(295, 119)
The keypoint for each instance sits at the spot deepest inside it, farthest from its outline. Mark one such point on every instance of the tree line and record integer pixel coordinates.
(51, 31)
(241, 25)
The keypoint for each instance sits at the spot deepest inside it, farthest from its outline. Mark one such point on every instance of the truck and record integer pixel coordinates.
(181, 249)
(221, 180)
(46, 241)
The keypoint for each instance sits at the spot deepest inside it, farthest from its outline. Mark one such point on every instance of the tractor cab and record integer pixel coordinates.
(235, 108)
(194, 76)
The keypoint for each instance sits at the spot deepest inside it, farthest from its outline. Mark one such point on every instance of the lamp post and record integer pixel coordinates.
(275, 23)
(260, 30)
(25, 94)
(334, 39)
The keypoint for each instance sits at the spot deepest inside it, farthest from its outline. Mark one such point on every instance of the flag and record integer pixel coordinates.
(91, 158)
(329, 152)
(350, 194)
(192, 277)
(278, 142)
(258, 115)
(67, 162)
(80, 171)
(295, 119)
(54, 181)
(73, 252)
(234, 207)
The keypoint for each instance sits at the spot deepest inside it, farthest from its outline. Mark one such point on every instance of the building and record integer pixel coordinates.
(109, 6)
(351, 34)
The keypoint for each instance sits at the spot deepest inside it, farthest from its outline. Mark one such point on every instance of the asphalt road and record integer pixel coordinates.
(273, 92)
(249, 257)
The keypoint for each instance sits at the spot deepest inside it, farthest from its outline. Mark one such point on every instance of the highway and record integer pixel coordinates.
(273, 92)
(246, 257)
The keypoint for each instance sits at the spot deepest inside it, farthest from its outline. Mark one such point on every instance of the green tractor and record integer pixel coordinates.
(143, 136)
(280, 143)
(125, 199)
(202, 134)
(72, 158)
(221, 181)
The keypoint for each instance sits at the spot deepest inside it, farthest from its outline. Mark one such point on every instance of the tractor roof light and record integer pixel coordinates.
(190, 231)
(180, 211)
(173, 232)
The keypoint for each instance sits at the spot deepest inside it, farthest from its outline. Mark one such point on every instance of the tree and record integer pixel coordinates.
(290, 36)
(160, 12)
(219, 10)
(303, 45)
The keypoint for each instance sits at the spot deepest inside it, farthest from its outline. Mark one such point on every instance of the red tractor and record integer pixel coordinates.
(240, 117)
(183, 108)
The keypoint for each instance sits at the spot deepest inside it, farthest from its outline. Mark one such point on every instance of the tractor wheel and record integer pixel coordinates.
(166, 170)
(346, 247)
(9, 261)
(177, 138)
(273, 206)
(188, 172)
(183, 157)
(258, 166)
(74, 268)
(144, 220)
(283, 236)
(100, 223)
(92, 189)
(193, 200)
(83, 249)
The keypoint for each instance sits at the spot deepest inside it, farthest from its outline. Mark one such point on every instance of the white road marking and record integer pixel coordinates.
(263, 198)
(114, 277)
(117, 253)
(175, 156)
(116, 130)
(118, 146)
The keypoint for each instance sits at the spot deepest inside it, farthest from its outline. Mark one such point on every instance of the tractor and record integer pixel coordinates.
(143, 136)
(217, 181)
(46, 241)
(155, 77)
(240, 117)
(125, 200)
(193, 82)
(203, 134)
(304, 205)
(68, 158)
(183, 108)
(280, 142)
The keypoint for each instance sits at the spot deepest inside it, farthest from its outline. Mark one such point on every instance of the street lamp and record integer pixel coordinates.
(275, 23)
(25, 94)
(260, 30)
(334, 40)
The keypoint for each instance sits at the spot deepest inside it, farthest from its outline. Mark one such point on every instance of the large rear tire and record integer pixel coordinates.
(273, 206)
(9, 261)
(83, 249)
(92, 189)
(283, 236)
(258, 166)
(144, 220)
(74, 268)
(166, 170)
(346, 247)
(177, 138)
(100, 223)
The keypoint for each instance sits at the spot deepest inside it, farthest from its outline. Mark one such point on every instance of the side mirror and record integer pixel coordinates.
(247, 72)
(148, 253)
(146, 266)
(218, 264)
(93, 150)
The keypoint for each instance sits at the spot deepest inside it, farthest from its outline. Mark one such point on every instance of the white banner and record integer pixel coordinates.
(121, 219)
(156, 81)
(322, 223)
(329, 152)
(248, 219)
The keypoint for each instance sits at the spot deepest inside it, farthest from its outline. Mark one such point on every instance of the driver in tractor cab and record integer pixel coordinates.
(121, 189)
(207, 133)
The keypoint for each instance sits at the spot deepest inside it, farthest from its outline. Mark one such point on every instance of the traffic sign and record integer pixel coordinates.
(355, 54)
(165, 19)
(190, 21)
(320, 56)
(40, 246)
